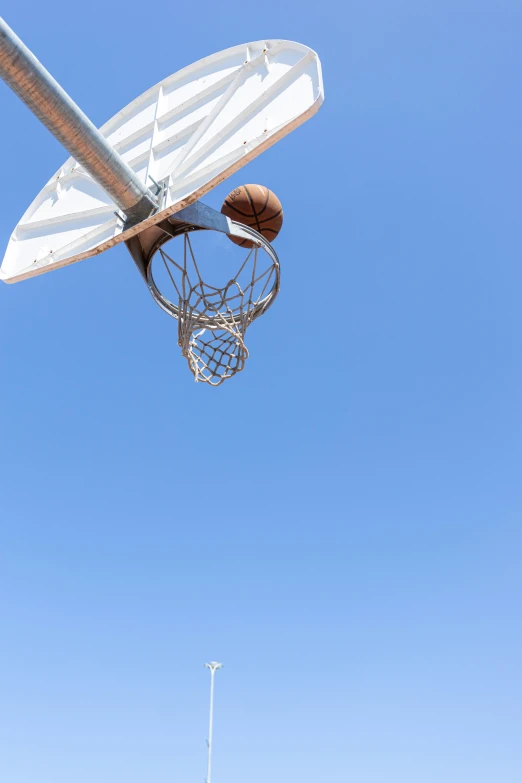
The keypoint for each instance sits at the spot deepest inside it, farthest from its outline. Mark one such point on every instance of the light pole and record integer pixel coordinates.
(213, 666)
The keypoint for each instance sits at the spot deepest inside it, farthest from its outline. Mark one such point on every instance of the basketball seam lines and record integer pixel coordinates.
(235, 209)
(272, 217)
(243, 214)
(266, 202)
(253, 217)
(253, 208)
(252, 220)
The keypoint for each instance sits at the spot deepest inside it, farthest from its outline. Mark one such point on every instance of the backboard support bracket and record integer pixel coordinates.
(195, 217)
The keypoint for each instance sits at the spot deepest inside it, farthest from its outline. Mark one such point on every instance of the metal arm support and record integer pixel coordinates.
(20, 69)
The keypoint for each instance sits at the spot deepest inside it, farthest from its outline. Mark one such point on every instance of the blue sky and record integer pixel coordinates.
(341, 523)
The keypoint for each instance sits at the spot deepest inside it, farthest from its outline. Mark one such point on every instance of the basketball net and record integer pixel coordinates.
(212, 322)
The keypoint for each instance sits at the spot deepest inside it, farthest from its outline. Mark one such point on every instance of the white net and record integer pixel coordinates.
(212, 320)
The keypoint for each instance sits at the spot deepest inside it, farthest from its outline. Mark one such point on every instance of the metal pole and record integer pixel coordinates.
(213, 669)
(20, 69)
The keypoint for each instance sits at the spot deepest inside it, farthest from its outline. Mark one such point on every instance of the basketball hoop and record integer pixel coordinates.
(139, 180)
(213, 319)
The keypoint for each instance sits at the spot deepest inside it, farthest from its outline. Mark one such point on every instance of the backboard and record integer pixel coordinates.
(185, 135)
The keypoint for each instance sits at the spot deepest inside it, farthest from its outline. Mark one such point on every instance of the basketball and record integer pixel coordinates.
(256, 207)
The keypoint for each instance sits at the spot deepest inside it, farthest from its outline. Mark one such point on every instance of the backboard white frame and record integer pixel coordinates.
(188, 133)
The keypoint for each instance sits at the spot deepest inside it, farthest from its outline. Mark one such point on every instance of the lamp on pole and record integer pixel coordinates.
(213, 666)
